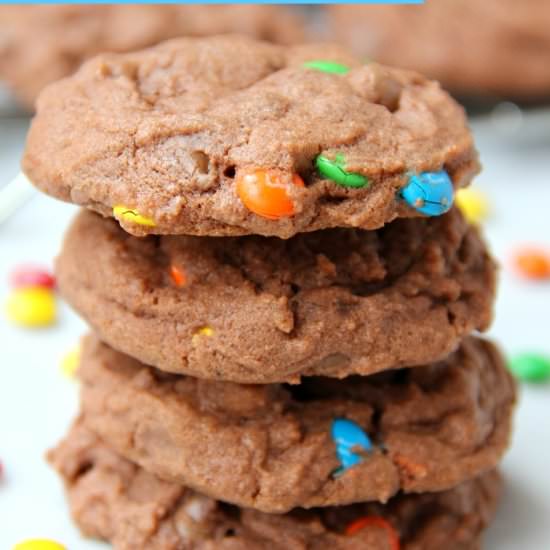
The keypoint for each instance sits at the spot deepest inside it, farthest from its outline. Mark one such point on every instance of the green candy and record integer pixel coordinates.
(326, 66)
(530, 367)
(335, 171)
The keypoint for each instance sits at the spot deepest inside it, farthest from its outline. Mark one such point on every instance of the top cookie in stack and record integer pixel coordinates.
(230, 136)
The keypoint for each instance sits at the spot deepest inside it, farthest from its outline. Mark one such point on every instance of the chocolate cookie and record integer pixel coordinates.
(230, 136)
(276, 447)
(259, 310)
(114, 500)
(40, 44)
(489, 47)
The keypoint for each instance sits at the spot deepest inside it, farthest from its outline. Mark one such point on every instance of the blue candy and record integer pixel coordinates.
(431, 193)
(347, 435)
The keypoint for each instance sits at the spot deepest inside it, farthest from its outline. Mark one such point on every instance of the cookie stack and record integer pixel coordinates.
(282, 299)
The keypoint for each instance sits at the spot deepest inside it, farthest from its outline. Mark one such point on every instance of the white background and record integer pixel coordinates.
(37, 402)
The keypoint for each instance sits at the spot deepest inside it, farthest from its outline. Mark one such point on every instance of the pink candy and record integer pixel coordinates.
(31, 276)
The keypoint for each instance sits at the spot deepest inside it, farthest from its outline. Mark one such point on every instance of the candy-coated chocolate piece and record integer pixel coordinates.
(69, 363)
(27, 275)
(430, 193)
(349, 438)
(129, 215)
(31, 307)
(326, 66)
(473, 204)
(374, 521)
(39, 544)
(530, 367)
(265, 192)
(533, 264)
(335, 171)
(178, 276)
(204, 331)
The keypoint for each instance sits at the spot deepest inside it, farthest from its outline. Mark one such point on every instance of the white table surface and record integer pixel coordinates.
(37, 403)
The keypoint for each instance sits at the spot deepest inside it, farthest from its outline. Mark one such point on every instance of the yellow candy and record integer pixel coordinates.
(39, 544)
(133, 216)
(31, 307)
(473, 204)
(70, 362)
(204, 331)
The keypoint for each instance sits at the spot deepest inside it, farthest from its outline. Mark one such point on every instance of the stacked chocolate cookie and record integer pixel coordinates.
(282, 304)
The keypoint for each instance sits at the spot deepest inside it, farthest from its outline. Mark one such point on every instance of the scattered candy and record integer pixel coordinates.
(26, 276)
(69, 363)
(375, 521)
(178, 276)
(473, 204)
(127, 214)
(326, 66)
(348, 437)
(430, 193)
(533, 264)
(265, 192)
(335, 170)
(31, 307)
(39, 544)
(530, 367)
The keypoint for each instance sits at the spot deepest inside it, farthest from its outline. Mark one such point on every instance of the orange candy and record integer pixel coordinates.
(265, 192)
(375, 521)
(178, 276)
(533, 264)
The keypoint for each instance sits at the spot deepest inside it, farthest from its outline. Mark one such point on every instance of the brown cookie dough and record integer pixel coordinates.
(183, 134)
(487, 47)
(259, 310)
(270, 447)
(43, 43)
(114, 500)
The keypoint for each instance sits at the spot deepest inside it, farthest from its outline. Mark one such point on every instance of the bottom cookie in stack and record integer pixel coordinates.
(115, 500)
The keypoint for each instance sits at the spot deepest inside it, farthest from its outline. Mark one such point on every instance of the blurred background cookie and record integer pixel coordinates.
(43, 43)
(476, 48)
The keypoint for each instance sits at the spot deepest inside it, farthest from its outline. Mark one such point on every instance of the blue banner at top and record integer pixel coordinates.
(373, 2)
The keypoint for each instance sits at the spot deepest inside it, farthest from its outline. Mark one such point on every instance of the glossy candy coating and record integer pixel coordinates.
(129, 215)
(530, 367)
(430, 193)
(348, 438)
(31, 307)
(265, 192)
(473, 204)
(39, 544)
(178, 276)
(326, 66)
(335, 171)
(374, 521)
(27, 276)
(533, 264)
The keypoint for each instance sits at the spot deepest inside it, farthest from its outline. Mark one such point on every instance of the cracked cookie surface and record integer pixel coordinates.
(270, 446)
(40, 44)
(114, 500)
(260, 310)
(172, 133)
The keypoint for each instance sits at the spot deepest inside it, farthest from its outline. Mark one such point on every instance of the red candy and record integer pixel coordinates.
(30, 276)
(375, 521)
